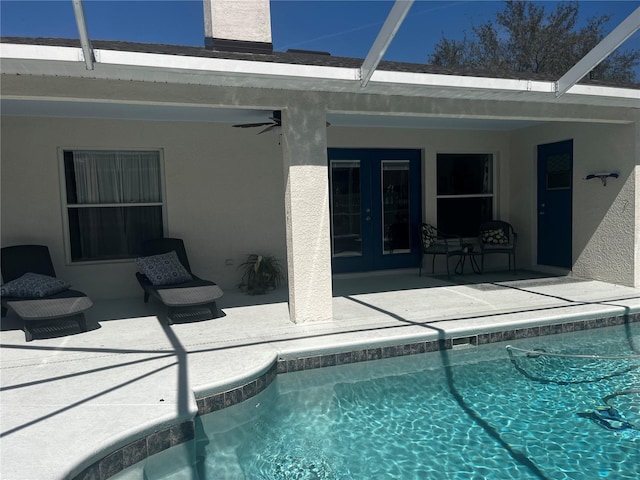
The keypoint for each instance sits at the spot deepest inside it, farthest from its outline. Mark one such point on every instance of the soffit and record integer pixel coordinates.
(199, 67)
(183, 113)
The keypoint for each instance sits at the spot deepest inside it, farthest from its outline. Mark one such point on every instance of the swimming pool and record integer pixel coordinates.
(473, 412)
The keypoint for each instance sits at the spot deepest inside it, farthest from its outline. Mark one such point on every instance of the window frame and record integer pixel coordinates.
(494, 182)
(66, 206)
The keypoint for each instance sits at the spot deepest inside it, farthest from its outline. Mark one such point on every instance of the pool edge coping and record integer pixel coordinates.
(139, 448)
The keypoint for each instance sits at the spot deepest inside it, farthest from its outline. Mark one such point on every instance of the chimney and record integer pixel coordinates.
(238, 26)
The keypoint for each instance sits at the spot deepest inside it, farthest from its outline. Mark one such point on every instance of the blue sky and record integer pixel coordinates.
(343, 28)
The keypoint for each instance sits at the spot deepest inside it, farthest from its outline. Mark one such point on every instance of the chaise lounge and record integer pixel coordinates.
(32, 290)
(165, 273)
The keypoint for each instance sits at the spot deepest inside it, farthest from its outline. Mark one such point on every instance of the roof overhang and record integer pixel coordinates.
(44, 60)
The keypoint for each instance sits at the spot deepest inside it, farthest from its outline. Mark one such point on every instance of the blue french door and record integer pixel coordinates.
(375, 205)
(555, 173)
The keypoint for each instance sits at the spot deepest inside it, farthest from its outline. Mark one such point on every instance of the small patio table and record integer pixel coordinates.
(468, 252)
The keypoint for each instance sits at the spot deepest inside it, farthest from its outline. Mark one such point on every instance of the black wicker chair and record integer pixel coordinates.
(66, 304)
(436, 242)
(186, 301)
(497, 236)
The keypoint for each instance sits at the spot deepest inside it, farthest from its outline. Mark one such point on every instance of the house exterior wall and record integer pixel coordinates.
(224, 193)
(224, 187)
(225, 190)
(605, 240)
(636, 170)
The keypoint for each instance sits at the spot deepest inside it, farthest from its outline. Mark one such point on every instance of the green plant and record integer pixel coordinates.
(261, 273)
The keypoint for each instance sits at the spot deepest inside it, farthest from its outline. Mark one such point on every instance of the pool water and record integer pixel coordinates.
(470, 413)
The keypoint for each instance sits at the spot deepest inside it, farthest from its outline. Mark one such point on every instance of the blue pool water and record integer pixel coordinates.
(470, 413)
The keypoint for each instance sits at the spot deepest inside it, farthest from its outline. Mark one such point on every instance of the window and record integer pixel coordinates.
(114, 202)
(465, 192)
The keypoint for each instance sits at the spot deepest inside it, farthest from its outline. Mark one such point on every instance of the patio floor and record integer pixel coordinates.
(68, 397)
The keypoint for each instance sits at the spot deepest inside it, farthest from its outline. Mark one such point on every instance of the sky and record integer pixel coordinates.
(343, 28)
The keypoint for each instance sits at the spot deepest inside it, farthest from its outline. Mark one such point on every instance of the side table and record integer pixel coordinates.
(468, 252)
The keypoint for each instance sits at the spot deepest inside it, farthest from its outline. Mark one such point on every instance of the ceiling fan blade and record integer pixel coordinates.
(251, 125)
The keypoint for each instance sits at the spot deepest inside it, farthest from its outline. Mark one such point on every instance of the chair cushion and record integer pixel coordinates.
(429, 235)
(163, 269)
(34, 285)
(496, 236)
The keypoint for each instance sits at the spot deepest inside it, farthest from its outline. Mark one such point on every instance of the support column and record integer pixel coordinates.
(636, 226)
(304, 145)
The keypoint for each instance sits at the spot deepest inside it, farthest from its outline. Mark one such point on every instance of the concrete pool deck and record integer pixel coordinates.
(67, 400)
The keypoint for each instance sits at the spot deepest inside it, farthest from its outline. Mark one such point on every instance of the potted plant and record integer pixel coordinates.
(261, 273)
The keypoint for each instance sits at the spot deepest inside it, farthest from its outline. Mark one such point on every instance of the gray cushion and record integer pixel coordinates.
(34, 285)
(164, 269)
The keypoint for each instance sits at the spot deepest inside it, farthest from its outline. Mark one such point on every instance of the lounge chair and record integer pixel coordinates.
(32, 290)
(435, 242)
(165, 274)
(497, 236)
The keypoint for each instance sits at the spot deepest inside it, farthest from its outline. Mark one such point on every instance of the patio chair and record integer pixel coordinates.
(435, 242)
(32, 290)
(497, 236)
(165, 274)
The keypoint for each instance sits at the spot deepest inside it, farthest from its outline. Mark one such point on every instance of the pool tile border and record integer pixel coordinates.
(138, 451)
(156, 442)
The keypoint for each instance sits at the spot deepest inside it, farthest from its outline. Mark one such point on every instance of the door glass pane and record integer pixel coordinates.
(345, 208)
(559, 171)
(395, 206)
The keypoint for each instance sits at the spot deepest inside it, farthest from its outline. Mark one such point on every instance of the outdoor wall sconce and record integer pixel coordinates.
(602, 176)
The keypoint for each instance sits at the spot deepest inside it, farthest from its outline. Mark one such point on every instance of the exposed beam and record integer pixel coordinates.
(607, 45)
(387, 32)
(85, 42)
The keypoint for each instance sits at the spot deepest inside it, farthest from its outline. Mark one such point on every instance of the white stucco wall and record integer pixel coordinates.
(225, 190)
(225, 187)
(604, 218)
(304, 146)
(224, 193)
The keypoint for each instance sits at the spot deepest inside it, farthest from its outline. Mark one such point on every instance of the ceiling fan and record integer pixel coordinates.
(275, 121)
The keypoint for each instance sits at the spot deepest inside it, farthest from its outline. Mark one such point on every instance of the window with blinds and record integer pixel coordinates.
(114, 202)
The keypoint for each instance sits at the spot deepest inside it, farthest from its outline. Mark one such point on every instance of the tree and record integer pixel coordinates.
(524, 38)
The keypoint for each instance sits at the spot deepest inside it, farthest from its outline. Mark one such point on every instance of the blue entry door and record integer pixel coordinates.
(375, 206)
(555, 173)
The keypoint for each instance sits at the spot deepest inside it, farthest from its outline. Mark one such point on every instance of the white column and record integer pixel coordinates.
(304, 145)
(636, 226)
